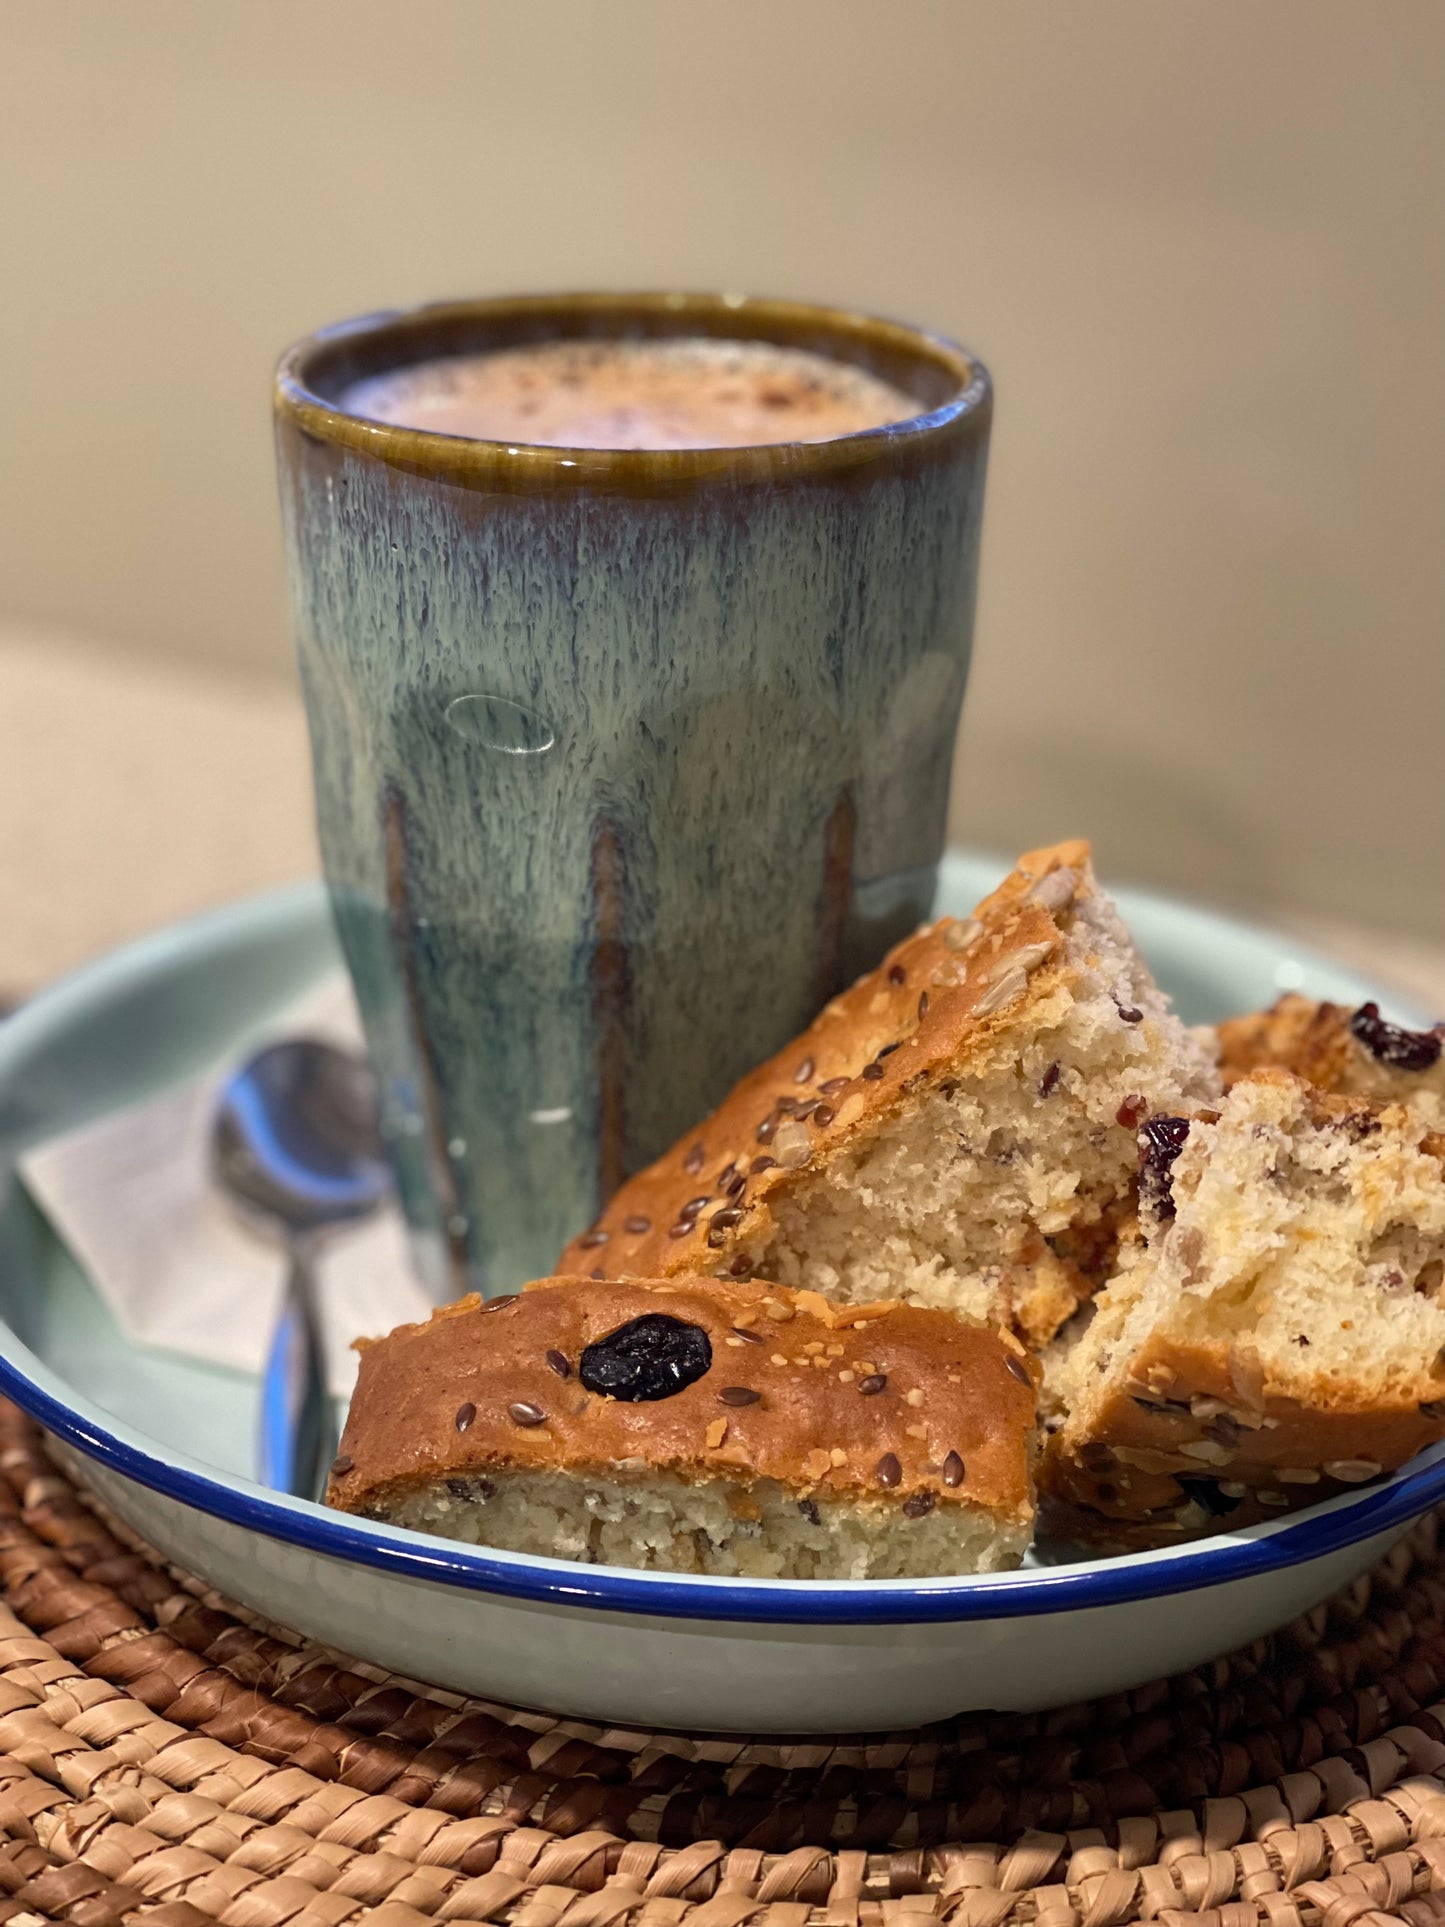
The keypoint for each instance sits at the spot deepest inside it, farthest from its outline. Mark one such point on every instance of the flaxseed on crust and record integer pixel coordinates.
(956, 1130)
(697, 1425)
(1277, 1336)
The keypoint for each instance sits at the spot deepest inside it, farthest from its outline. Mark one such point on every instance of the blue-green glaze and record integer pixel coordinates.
(623, 761)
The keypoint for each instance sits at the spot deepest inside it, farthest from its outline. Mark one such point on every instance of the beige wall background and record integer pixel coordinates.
(1199, 243)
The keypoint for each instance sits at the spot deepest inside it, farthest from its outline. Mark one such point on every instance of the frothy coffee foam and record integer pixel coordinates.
(676, 393)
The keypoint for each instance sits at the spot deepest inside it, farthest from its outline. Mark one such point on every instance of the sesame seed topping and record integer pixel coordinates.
(465, 1414)
(785, 1105)
(735, 1183)
(725, 1219)
(637, 1225)
(521, 1413)
(804, 1071)
(887, 1051)
(764, 1132)
(497, 1304)
(897, 974)
(750, 1337)
(913, 1397)
(833, 1086)
(953, 1471)
(559, 1364)
(1130, 1014)
(597, 1272)
(692, 1163)
(590, 1239)
(918, 1505)
(824, 1116)
(341, 1465)
(684, 1228)
(888, 1471)
(741, 1265)
(874, 1383)
(922, 1006)
(1017, 1368)
(761, 1164)
(694, 1205)
(739, 1395)
(873, 1072)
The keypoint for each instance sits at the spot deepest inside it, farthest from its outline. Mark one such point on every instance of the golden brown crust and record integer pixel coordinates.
(1314, 1040)
(949, 1388)
(706, 1206)
(1198, 1413)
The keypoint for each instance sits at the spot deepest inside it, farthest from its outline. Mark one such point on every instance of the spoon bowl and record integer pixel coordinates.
(297, 1148)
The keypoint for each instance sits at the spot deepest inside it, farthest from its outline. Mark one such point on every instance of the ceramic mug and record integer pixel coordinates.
(625, 761)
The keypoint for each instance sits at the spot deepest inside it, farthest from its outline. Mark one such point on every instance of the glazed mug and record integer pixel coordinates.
(625, 761)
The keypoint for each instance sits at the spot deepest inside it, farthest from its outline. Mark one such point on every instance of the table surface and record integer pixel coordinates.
(135, 791)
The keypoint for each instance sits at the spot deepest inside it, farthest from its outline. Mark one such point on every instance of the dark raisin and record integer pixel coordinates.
(810, 1512)
(1130, 1014)
(888, 1471)
(1049, 1083)
(1131, 1112)
(559, 1364)
(918, 1505)
(1402, 1050)
(1206, 1493)
(1161, 1139)
(655, 1356)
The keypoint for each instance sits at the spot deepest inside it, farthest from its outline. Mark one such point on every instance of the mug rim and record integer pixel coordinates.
(343, 348)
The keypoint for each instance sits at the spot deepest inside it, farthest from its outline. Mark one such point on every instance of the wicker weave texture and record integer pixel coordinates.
(165, 1756)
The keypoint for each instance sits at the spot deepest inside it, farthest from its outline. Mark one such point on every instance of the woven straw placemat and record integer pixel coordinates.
(166, 1756)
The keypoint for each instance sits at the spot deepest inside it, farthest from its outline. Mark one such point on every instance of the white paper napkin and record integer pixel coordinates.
(132, 1198)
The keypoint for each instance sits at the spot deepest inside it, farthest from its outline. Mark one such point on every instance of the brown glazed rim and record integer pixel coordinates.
(952, 386)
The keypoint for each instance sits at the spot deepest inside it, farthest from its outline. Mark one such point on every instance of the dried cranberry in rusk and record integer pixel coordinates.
(655, 1356)
(1401, 1050)
(1161, 1139)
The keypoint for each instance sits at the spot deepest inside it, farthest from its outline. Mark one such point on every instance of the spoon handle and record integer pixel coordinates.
(295, 1442)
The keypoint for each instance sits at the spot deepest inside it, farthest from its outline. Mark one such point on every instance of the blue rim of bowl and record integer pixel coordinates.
(1340, 1523)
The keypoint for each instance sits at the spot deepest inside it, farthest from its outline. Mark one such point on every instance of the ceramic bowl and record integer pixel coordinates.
(166, 1443)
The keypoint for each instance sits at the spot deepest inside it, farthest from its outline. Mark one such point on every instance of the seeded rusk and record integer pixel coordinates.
(691, 1425)
(1358, 1053)
(1279, 1333)
(957, 1130)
